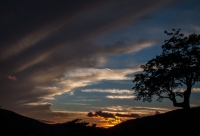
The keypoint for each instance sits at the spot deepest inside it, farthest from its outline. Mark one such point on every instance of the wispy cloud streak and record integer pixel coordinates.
(115, 91)
(120, 96)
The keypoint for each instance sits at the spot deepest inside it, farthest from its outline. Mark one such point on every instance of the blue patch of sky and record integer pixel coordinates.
(197, 85)
(147, 54)
(132, 60)
(111, 84)
(180, 16)
(152, 26)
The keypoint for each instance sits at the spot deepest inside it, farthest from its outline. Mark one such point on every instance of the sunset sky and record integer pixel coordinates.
(67, 59)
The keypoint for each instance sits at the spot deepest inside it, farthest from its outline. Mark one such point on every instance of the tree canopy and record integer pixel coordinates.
(178, 66)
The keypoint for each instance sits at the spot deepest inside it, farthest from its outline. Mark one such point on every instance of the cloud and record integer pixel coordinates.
(115, 91)
(101, 114)
(116, 108)
(90, 100)
(41, 86)
(101, 74)
(54, 116)
(156, 112)
(77, 104)
(90, 114)
(84, 77)
(112, 117)
(124, 109)
(142, 110)
(38, 104)
(196, 90)
(151, 108)
(125, 112)
(120, 96)
(43, 27)
(12, 78)
(47, 98)
(71, 93)
(128, 115)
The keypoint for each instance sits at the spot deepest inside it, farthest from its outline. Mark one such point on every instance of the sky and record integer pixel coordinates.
(62, 60)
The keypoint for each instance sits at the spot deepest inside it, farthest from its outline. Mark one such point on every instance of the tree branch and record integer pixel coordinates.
(162, 96)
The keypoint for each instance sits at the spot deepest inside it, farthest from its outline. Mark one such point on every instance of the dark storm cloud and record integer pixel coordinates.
(128, 115)
(90, 114)
(27, 22)
(42, 40)
(101, 114)
(111, 115)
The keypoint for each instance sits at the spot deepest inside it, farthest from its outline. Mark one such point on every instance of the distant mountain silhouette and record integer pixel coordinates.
(177, 122)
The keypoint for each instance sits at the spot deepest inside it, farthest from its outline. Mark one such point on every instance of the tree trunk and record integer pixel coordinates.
(186, 100)
(176, 104)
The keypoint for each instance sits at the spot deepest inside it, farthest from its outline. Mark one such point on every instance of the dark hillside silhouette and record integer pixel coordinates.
(14, 124)
(177, 66)
(173, 123)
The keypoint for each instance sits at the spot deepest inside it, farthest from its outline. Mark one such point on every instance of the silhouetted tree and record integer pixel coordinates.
(177, 66)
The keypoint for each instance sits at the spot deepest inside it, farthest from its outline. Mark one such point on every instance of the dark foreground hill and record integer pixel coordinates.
(15, 124)
(173, 123)
(12, 124)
